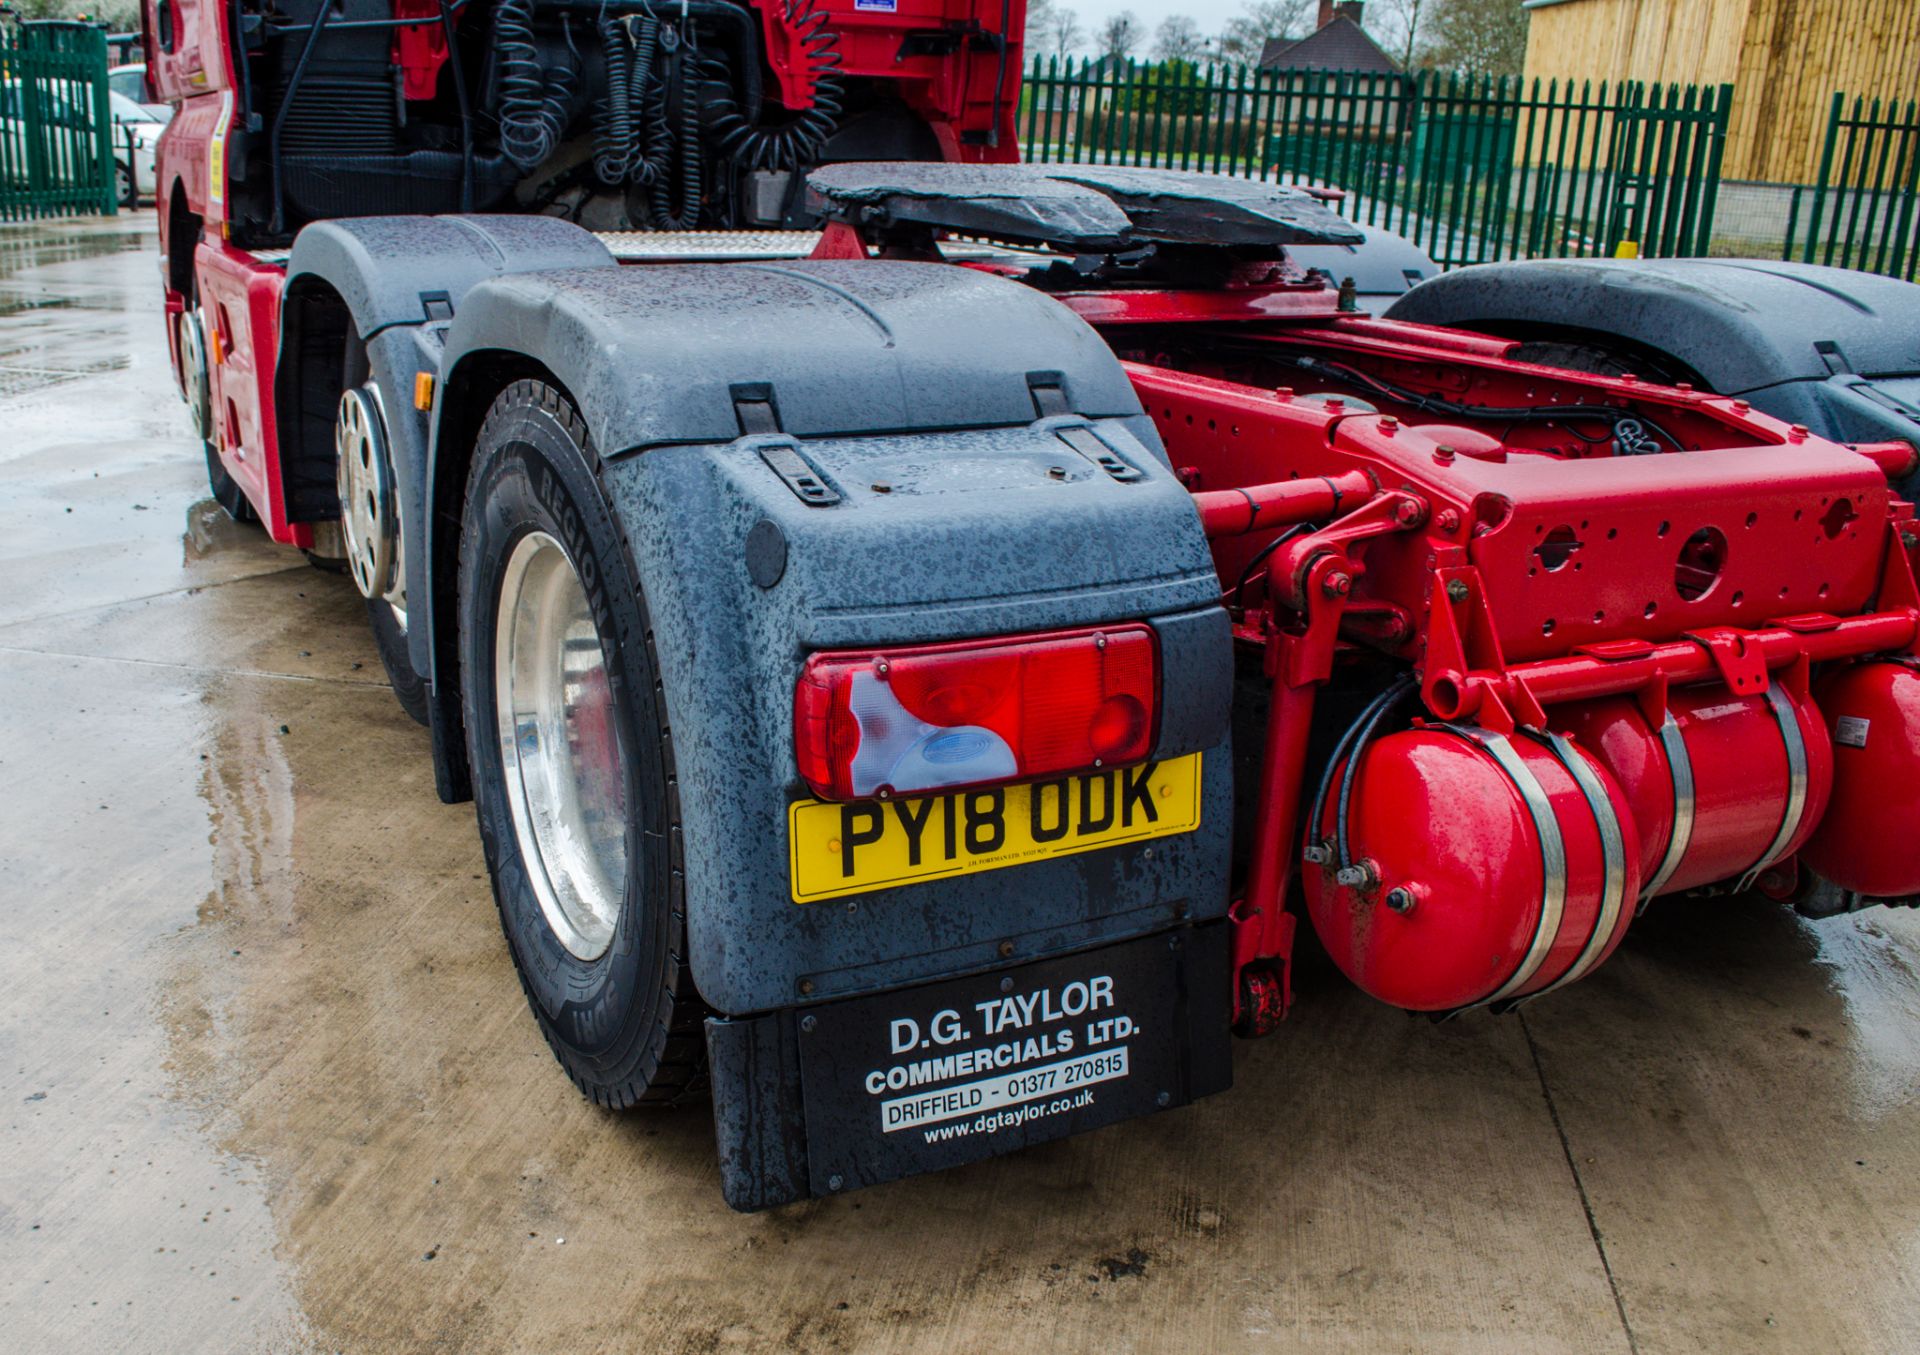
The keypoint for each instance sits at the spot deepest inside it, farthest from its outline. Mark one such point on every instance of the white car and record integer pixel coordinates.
(136, 131)
(131, 81)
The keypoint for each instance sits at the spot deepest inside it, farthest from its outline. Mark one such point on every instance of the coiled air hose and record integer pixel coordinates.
(673, 211)
(614, 145)
(797, 142)
(534, 100)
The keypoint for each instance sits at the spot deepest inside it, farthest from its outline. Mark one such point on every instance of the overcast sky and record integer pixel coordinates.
(1211, 15)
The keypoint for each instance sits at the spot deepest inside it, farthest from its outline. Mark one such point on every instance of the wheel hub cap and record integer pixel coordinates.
(193, 355)
(560, 746)
(369, 510)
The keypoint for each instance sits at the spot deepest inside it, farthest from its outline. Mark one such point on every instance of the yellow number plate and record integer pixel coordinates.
(838, 849)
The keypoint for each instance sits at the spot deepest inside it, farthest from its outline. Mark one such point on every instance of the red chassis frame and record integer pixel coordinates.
(1462, 547)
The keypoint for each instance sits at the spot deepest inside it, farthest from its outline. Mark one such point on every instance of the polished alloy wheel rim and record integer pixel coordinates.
(364, 482)
(560, 746)
(193, 347)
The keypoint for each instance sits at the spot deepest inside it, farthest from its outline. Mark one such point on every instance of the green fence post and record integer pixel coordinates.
(1900, 264)
(1853, 174)
(33, 130)
(103, 127)
(1826, 174)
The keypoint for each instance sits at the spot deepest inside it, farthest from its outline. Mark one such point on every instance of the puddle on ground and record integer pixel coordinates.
(56, 242)
(211, 531)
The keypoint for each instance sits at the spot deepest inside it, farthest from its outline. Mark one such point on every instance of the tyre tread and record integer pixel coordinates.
(671, 1069)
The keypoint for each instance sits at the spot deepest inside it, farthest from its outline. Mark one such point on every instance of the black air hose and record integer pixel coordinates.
(534, 100)
(797, 142)
(615, 147)
(650, 160)
(661, 197)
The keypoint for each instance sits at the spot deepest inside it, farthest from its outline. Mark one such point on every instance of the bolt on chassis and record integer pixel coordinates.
(916, 689)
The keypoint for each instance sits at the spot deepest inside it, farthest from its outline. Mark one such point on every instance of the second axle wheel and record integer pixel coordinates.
(370, 528)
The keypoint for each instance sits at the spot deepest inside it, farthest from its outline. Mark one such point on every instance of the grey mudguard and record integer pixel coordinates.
(662, 354)
(398, 270)
(403, 279)
(1741, 324)
(908, 390)
(974, 537)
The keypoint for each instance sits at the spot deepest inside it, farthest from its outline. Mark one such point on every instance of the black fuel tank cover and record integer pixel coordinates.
(766, 553)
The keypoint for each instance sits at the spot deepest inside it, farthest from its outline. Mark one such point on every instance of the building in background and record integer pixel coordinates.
(1338, 43)
(1785, 59)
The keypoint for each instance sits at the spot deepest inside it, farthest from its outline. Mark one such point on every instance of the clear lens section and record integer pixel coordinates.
(560, 746)
(899, 749)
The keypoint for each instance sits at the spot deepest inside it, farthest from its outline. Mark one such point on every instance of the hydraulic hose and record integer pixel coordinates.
(1611, 415)
(1349, 747)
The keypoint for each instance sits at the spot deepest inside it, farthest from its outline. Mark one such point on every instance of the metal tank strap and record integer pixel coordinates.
(1680, 765)
(1553, 858)
(1613, 849)
(1789, 722)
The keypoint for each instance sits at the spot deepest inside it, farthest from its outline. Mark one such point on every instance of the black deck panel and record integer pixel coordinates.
(1082, 208)
(1185, 207)
(1000, 202)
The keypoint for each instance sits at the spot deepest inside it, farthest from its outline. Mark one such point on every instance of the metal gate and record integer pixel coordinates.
(1865, 210)
(1472, 167)
(56, 130)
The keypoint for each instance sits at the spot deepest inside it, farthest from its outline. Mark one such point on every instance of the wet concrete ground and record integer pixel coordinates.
(267, 1081)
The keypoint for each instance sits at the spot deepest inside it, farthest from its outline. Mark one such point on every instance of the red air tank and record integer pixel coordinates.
(1480, 868)
(1869, 841)
(1726, 786)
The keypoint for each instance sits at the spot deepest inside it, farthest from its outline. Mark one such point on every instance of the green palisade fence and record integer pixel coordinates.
(1864, 210)
(56, 131)
(1474, 168)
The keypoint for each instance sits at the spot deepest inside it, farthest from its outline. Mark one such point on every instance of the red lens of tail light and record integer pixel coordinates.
(902, 721)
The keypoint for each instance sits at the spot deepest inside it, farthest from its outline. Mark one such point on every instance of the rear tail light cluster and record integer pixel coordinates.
(895, 722)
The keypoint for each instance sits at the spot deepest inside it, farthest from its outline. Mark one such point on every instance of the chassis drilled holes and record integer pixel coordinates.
(1703, 559)
(1557, 548)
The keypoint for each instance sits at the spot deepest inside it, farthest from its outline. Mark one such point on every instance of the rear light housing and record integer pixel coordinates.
(880, 723)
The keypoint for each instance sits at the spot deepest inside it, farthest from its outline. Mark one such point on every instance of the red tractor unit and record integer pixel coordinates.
(914, 672)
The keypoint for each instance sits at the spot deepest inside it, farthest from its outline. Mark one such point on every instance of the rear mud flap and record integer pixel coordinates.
(849, 1094)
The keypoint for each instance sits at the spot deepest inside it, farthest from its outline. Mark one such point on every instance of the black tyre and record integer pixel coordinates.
(566, 717)
(390, 638)
(1605, 359)
(197, 388)
(226, 490)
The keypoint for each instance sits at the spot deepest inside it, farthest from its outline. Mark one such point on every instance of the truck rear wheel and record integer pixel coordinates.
(370, 535)
(197, 387)
(572, 759)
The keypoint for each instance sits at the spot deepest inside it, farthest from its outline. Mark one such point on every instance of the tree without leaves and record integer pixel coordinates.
(1400, 27)
(1479, 36)
(1052, 29)
(1245, 36)
(1063, 30)
(1119, 35)
(1178, 39)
